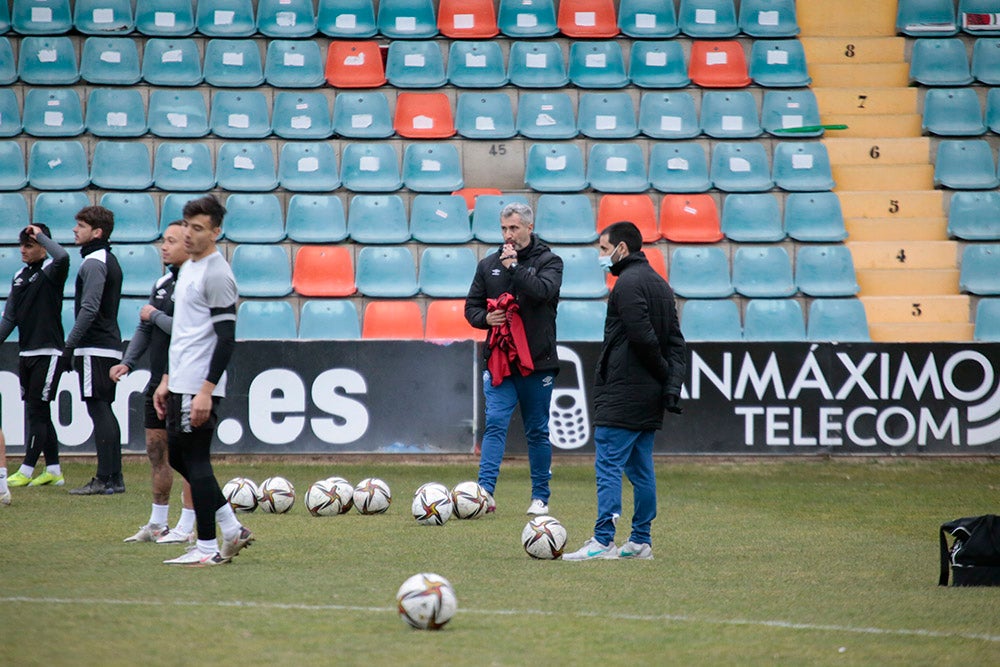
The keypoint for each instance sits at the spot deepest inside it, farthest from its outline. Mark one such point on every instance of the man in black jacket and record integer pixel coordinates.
(639, 375)
(526, 270)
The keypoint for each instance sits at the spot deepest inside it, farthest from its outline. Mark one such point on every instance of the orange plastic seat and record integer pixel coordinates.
(690, 219)
(587, 18)
(424, 116)
(323, 271)
(655, 257)
(467, 19)
(470, 194)
(637, 209)
(354, 65)
(395, 320)
(718, 65)
(446, 321)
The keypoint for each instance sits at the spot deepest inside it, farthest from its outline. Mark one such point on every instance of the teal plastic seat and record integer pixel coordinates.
(647, 19)
(565, 219)
(417, 64)
(115, 113)
(965, 164)
(752, 218)
(940, 62)
(53, 112)
(121, 165)
(110, 60)
(555, 168)
(4, 18)
(329, 319)
(171, 62)
(386, 271)
(839, 320)
(825, 270)
(10, 264)
(658, 65)
(607, 116)
(486, 216)
(370, 167)
(546, 116)
(774, 320)
(294, 64)
(164, 18)
(986, 61)
(536, 65)
(58, 210)
(308, 167)
(12, 172)
(265, 320)
(58, 165)
(128, 316)
(802, 166)
(447, 272)
(362, 115)
(178, 114)
(233, 63)
(286, 19)
(226, 18)
(346, 19)
(103, 17)
(141, 267)
(136, 220)
(377, 219)
(316, 219)
(768, 18)
(41, 17)
(785, 112)
(974, 216)
(993, 110)
(14, 211)
(729, 114)
(172, 207)
(926, 18)
(580, 320)
(183, 166)
(814, 217)
(246, 167)
(476, 65)
(987, 325)
(700, 272)
(300, 115)
(778, 63)
(440, 219)
(262, 270)
(407, 19)
(711, 320)
(668, 116)
(597, 65)
(953, 112)
(8, 65)
(47, 61)
(240, 114)
(740, 167)
(973, 27)
(980, 269)
(707, 19)
(763, 272)
(484, 116)
(254, 218)
(617, 168)
(432, 167)
(518, 19)
(679, 166)
(583, 277)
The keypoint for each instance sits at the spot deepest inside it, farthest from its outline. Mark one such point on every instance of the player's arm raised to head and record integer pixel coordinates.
(92, 276)
(59, 267)
(544, 282)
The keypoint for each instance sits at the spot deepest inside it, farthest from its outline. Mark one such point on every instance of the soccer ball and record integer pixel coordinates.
(426, 601)
(326, 498)
(372, 496)
(432, 505)
(470, 500)
(277, 495)
(241, 494)
(544, 538)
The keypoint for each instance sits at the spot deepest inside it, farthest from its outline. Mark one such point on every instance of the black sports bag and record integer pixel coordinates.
(974, 555)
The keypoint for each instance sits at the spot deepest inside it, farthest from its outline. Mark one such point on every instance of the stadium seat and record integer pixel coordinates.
(265, 320)
(467, 19)
(519, 19)
(178, 114)
(128, 316)
(245, 167)
(987, 323)
(47, 61)
(774, 320)
(432, 167)
(763, 272)
(607, 116)
(253, 218)
(308, 167)
(374, 219)
(325, 271)
(121, 165)
(12, 172)
(172, 207)
(286, 19)
(4, 18)
(53, 112)
(394, 320)
(58, 210)
(583, 277)
(973, 216)
(658, 65)
(183, 167)
(329, 319)
(825, 270)
(370, 167)
(164, 18)
(965, 164)
(8, 65)
(476, 65)
(940, 62)
(103, 17)
(135, 216)
(299, 115)
(802, 166)
(226, 18)
(978, 17)
(423, 115)
(407, 19)
(953, 112)
(587, 19)
(417, 64)
(233, 63)
(752, 218)
(555, 168)
(700, 272)
(926, 18)
(440, 219)
(240, 114)
(141, 267)
(116, 113)
(740, 167)
(486, 216)
(729, 114)
(10, 264)
(262, 270)
(993, 110)
(447, 272)
(707, 19)
(841, 320)
(565, 219)
(546, 116)
(711, 320)
(718, 65)
(294, 64)
(778, 63)
(637, 209)
(986, 61)
(617, 168)
(668, 116)
(171, 62)
(768, 18)
(346, 19)
(814, 217)
(386, 271)
(354, 65)
(10, 113)
(362, 115)
(446, 321)
(536, 65)
(656, 261)
(485, 116)
(597, 65)
(469, 195)
(316, 219)
(690, 218)
(41, 17)
(14, 213)
(980, 269)
(647, 19)
(680, 166)
(58, 165)
(784, 111)
(580, 320)
(110, 60)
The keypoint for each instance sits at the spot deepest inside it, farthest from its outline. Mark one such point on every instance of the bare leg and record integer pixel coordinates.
(161, 474)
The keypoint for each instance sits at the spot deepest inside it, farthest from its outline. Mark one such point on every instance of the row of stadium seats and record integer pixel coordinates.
(965, 164)
(937, 18)
(945, 62)
(402, 19)
(774, 320)
(957, 112)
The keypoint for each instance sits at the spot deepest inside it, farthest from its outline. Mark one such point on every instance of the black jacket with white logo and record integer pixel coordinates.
(34, 305)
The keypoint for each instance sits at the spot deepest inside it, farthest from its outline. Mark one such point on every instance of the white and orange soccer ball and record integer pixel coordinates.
(276, 495)
(426, 601)
(544, 538)
(372, 496)
(470, 500)
(326, 498)
(432, 504)
(241, 493)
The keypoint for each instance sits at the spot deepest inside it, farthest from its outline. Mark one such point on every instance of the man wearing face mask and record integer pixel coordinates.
(639, 375)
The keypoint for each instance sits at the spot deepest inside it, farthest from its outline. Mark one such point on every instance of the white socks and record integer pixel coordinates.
(3, 479)
(159, 516)
(228, 522)
(54, 470)
(208, 546)
(27, 471)
(186, 523)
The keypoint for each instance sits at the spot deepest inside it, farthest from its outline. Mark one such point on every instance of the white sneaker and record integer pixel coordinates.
(174, 536)
(195, 558)
(537, 508)
(5, 497)
(231, 548)
(491, 505)
(593, 550)
(149, 533)
(636, 551)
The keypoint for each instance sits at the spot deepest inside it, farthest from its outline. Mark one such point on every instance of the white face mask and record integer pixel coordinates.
(607, 261)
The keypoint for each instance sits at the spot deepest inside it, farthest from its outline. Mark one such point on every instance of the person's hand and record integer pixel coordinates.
(496, 318)
(160, 399)
(671, 403)
(67, 358)
(118, 371)
(32, 230)
(508, 255)
(201, 408)
(146, 312)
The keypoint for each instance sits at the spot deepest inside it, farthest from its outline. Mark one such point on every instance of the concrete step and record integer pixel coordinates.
(922, 282)
(917, 309)
(904, 255)
(877, 152)
(881, 75)
(847, 17)
(880, 179)
(854, 50)
(893, 229)
(865, 100)
(874, 125)
(895, 204)
(917, 332)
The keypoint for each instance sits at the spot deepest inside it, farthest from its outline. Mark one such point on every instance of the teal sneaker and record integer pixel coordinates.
(17, 479)
(635, 551)
(48, 478)
(593, 550)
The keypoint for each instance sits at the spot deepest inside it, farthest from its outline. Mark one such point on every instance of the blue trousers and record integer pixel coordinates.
(533, 393)
(620, 450)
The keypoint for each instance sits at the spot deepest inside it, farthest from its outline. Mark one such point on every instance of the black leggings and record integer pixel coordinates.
(190, 454)
(41, 434)
(107, 438)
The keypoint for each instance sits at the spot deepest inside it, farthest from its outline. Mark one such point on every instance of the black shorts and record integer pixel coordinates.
(179, 414)
(150, 418)
(40, 376)
(95, 379)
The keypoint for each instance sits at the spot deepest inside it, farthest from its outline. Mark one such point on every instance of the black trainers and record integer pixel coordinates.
(117, 483)
(94, 487)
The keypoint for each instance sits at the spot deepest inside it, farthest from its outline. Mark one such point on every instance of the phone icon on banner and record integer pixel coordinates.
(569, 419)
